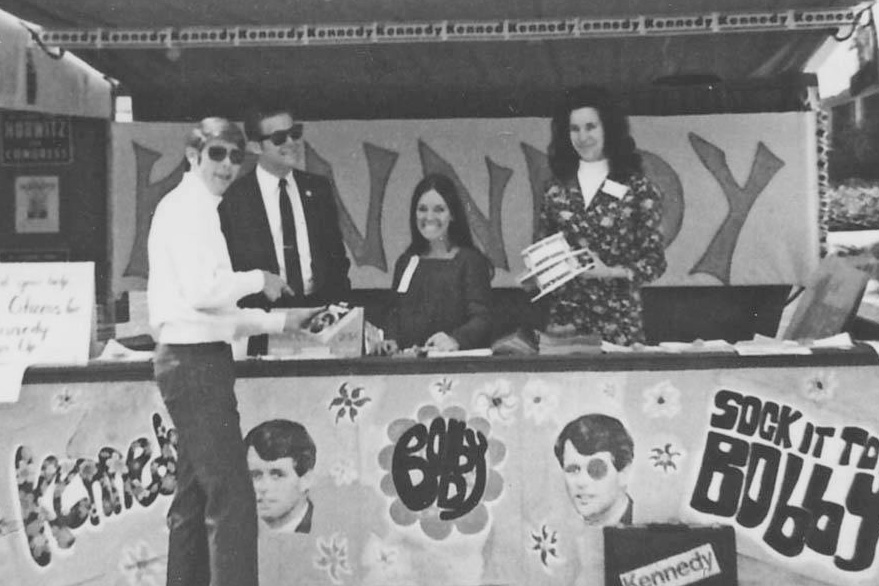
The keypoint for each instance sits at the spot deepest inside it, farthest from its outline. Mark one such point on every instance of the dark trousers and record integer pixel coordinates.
(212, 519)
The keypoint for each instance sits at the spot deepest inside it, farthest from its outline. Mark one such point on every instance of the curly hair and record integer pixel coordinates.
(619, 146)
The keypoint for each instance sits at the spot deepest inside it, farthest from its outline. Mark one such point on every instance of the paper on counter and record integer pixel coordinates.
(699, 346)
(114, 351)
(843, 340)
(765, 346)
(457, 353)
(11, 377)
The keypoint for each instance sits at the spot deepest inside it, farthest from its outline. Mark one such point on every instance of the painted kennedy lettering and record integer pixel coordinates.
(717, 259)
(443, 463)
(758, 457)
(489, 231)
(147, 197)
(368, 249)
(139, 476)
(367, 245)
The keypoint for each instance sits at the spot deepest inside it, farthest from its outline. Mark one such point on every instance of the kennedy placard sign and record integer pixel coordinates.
(684, 568)
(46, 312)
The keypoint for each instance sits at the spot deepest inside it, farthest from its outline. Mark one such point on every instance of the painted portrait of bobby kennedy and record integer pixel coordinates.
(281, 457)
(595, 452)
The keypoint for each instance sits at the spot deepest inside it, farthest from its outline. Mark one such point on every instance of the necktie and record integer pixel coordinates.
(291, 251)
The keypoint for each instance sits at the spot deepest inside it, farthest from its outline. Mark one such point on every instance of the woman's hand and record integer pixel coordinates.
(530, 285)
(600, 270)
(442, 341)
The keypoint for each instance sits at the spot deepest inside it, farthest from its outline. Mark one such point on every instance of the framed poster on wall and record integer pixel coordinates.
(36, 205)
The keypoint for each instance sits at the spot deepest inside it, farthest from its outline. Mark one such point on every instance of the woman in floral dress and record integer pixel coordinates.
(601, 201)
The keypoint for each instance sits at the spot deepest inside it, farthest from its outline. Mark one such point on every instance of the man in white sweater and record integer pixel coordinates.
(192, 295)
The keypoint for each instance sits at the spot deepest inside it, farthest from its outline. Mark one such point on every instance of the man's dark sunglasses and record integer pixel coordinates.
(279, 137)
(219, 153)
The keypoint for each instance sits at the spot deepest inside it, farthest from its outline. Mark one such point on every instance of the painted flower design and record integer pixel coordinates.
(343, 473)
(610, 390)
(141, 565)
(540, 400)
(8, 526)
(545, 545)
(350, 400)
(64, 400)
(333, 557)
(436, 521)
(662, 400)
(25, 468)
(665, 457)
(441, 389)
(39, 545)
(820, 387)
(87, 469)
(116, 465)
(387, 559)
(496, 402)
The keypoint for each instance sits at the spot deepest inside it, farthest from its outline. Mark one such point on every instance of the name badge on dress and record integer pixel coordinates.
(407, 274)
(614, 189)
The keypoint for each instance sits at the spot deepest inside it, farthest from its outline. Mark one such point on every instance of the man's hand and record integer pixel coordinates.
(274, 286)
(297, 318)
(442, 341)
(389, 347)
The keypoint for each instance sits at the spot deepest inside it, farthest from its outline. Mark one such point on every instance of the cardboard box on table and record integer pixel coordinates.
(343, 339)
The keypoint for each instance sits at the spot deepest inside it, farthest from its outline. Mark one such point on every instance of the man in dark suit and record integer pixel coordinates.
(284, 220)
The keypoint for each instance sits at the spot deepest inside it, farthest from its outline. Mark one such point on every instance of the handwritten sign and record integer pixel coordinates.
(46, 312)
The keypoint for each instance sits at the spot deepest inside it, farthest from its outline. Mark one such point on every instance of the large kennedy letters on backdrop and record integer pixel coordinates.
(707, 211)
(367, 250)
(147, 198)
(490, 231)
(717, 259)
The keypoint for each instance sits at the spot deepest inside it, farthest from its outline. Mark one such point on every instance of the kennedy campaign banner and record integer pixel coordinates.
(462, 478)
(740, 190)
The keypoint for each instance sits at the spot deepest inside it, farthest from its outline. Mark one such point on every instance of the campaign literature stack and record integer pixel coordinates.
(551, 262)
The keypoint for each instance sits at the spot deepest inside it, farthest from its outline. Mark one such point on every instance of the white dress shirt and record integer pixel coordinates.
(590, 176)
(271, 192)
(192, 291)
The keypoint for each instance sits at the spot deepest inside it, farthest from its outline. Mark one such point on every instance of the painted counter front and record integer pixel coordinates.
(443, 471)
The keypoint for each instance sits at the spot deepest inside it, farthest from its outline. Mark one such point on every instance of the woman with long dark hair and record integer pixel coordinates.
(601, 201)
(442, 282)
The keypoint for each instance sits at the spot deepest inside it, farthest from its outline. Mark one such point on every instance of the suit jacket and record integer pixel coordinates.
(249, 238)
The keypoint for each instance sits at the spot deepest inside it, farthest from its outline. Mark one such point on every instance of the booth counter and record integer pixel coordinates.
(443, 471)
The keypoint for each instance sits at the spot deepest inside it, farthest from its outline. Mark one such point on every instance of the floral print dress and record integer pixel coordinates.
(622, 231)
